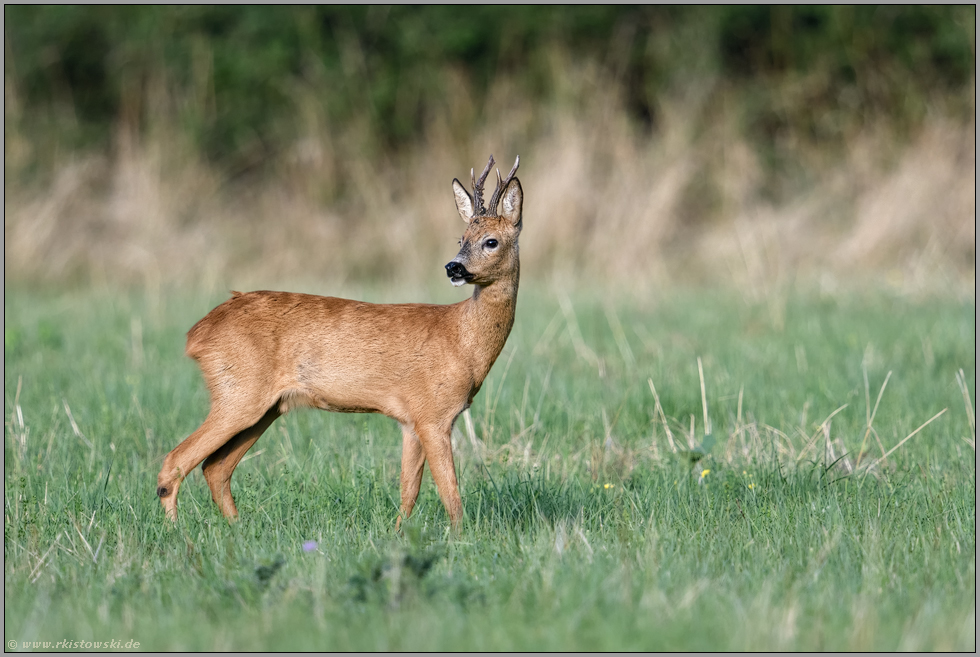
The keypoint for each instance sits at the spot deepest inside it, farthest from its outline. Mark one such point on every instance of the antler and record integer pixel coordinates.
(478, 187)
(501, 184)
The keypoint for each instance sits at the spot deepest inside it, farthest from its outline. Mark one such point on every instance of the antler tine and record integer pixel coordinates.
(478, 187)
(501, 184)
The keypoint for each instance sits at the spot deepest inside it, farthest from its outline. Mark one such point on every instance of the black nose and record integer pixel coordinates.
(456, 270)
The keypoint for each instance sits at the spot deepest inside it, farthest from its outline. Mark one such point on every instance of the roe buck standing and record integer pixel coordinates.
(264, 353)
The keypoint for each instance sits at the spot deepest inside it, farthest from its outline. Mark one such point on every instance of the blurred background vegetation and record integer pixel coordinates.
(251, 145)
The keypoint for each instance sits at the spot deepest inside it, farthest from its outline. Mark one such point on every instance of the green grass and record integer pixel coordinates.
(588, 526)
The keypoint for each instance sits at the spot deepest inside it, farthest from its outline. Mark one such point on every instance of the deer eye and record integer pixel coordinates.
(490, 244)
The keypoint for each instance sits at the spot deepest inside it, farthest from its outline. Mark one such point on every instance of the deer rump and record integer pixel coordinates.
(351, 357)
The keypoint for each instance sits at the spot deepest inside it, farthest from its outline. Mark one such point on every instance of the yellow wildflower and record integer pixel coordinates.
(704, 473)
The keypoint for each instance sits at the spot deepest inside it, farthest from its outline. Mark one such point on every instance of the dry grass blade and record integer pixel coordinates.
(20, 382)
(471, 434)
(74, 425)
(871, 465)
(620, 336)
(17, 419)
(92, 553)
(571, 321)
(549, 334)
(42, 560)
(704, 400)
(500, 386)
(738, 431)
(823, 429)
(738, 416)
(663, 418)
(252, 455)
(871, 416)
(970, 413)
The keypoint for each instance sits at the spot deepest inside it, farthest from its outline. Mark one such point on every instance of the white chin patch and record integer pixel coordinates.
(457, 281)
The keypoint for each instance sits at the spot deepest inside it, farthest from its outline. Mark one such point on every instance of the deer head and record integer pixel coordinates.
(488, 249)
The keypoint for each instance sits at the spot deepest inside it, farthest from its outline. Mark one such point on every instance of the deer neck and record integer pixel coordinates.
(486, 322)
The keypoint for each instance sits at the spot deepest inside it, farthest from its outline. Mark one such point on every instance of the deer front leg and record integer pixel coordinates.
(413, 462)
(219, 467)
(439, 451)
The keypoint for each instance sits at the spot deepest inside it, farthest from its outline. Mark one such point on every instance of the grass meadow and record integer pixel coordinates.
(682, 470)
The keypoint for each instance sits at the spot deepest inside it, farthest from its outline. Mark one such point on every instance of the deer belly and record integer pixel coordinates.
(343, 388)
(293, 399)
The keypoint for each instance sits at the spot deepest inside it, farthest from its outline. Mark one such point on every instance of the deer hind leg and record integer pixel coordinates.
(220, 465)
(217, 429)
(439, 452)
(413, 461)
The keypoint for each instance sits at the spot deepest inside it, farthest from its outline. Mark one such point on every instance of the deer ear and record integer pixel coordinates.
(464, 202)
(512, 202)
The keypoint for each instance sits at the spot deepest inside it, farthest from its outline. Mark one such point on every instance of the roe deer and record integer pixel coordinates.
(264, 353)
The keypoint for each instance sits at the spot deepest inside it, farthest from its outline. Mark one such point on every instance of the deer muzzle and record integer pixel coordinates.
(457, 273)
